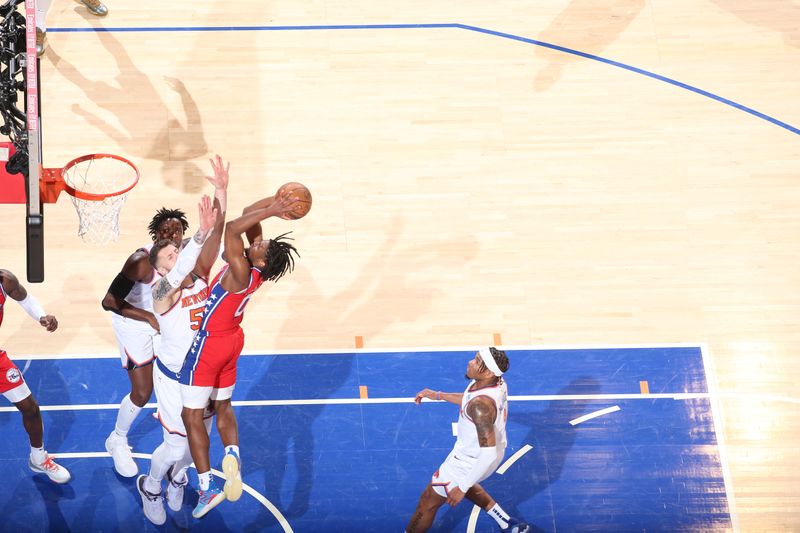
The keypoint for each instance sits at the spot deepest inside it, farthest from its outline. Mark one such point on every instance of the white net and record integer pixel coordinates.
(104, 175)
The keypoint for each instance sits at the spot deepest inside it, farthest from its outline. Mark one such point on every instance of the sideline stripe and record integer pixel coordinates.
(346, 401)
(601, 412)
(466, 27)
(722, 449)
(260, 498)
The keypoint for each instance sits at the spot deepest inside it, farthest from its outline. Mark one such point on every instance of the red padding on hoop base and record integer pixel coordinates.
(12, 186)
(51, 185)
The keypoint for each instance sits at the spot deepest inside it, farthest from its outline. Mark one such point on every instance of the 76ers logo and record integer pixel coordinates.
(13, 375)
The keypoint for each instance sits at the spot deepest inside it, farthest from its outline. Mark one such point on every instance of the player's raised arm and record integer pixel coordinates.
(17, 292)
(210, 250)
(238, 274)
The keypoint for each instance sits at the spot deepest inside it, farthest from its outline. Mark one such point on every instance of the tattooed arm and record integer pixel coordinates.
(483, 413)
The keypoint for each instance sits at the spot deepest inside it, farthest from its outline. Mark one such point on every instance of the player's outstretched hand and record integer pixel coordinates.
(49, 322)
(220, 179)
(425, 393)
(207, 214)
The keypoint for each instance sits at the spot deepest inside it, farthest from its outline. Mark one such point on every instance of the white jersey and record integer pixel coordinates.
(179, 323)
(467, 442)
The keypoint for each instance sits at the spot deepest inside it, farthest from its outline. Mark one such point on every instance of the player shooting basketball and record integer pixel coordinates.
(209, 371)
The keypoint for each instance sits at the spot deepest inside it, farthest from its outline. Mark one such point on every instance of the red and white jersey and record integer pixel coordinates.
(3, 299)
(180, 323)
(225, 310)
(467, 434)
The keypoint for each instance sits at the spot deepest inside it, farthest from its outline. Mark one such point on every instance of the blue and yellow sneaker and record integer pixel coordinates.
(208, 500)
(233, 476)
(516, 526)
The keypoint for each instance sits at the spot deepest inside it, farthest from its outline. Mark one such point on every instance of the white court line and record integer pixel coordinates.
(716, 414)
(601, 412)
(537, 348)
(473, 516)
(514, 458)
(247, 488)
(361, 401)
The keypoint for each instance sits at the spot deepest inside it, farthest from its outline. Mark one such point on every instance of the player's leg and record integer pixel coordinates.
(16, 391)
(172, 449)
(210, 495)
(136, 353)
(42, 6)
(428, 505)
(229, 434)
(478, 495)
(226, 420)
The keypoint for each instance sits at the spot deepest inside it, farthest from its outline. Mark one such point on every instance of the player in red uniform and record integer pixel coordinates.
(14, 388)
(209, 371)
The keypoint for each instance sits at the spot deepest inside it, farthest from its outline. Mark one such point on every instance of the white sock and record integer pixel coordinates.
(499, 515)
(159, 464)
(128, 411)
(38, 455)
(41, 12)
(232, 449)
(205, 480)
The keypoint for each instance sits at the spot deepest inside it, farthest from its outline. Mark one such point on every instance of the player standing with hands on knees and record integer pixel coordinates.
(479, 448)
(209, 372)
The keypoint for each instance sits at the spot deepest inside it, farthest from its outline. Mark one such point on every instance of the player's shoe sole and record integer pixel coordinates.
(233, 478)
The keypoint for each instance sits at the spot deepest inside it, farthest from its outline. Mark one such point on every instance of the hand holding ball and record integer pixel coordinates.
(303, 203)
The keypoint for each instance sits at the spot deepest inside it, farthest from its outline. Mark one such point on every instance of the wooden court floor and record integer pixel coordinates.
(467, 184)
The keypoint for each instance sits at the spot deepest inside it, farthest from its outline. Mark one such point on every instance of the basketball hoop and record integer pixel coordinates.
(98, 185)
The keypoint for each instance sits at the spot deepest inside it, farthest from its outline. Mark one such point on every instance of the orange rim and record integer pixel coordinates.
(96, 197)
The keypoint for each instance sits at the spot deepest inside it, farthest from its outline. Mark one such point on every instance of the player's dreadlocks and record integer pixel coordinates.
(279, 258)
(164, 214)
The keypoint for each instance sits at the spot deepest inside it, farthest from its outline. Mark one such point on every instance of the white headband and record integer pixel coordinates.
(488, 360)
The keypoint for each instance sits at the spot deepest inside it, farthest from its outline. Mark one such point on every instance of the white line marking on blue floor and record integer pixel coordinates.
(601, 412)
(410, 399)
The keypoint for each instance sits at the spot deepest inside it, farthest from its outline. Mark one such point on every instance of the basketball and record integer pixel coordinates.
(303, 195)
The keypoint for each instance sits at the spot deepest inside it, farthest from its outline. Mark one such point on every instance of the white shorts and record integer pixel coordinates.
(195, 397)
(138, 342)
(170, 405)
(454, 468)
(18, 393)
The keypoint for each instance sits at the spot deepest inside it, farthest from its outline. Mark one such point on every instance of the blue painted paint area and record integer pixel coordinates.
(467, 27)
(654, 465)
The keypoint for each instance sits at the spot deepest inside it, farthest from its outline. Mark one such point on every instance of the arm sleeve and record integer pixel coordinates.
(32, 307)
(484, 460)
(185, 264)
